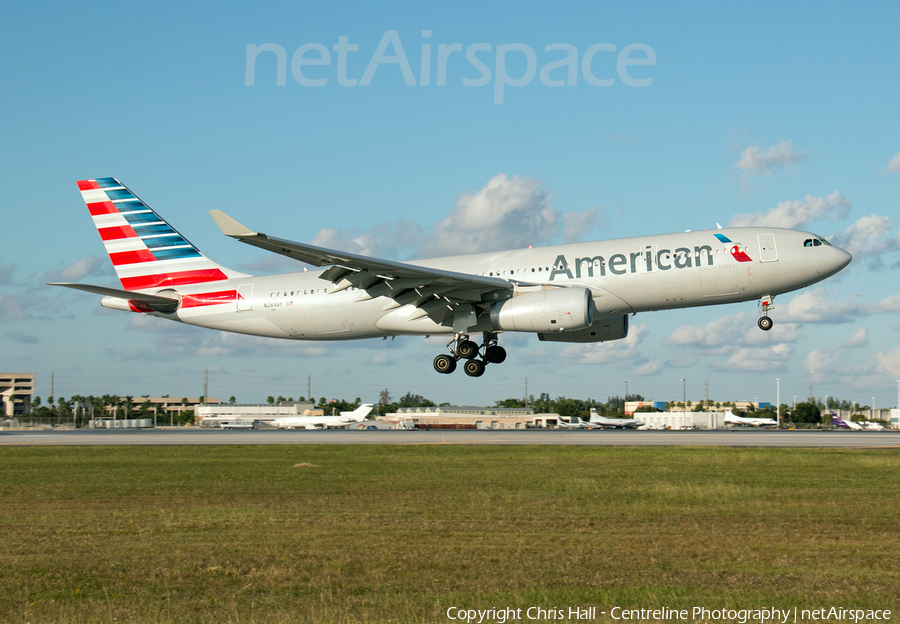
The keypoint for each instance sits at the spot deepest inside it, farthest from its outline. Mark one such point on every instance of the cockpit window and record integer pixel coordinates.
(815, 242)
(807, 242)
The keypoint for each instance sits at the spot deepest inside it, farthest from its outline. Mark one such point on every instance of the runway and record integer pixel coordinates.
(193, 436)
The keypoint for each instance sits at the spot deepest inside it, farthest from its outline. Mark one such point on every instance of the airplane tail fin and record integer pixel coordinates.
(595, 417)
(362, 411)
(145, 250)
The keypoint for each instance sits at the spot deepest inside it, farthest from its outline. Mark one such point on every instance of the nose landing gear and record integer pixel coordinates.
(461, 348)
(765, 303)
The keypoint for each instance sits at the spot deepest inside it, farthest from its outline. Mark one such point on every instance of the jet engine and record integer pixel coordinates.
(553, 310)
(601, 330)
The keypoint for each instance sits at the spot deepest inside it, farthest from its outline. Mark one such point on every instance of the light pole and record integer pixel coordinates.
(684, 399)
(778, 399)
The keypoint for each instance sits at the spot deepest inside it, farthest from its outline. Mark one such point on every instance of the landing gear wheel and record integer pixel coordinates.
(474, 368)
(765, 323)
(495, 354)
(444, 364)
(467, 349)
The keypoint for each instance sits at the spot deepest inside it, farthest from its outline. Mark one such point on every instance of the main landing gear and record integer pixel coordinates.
(461, 348)
(765, 304)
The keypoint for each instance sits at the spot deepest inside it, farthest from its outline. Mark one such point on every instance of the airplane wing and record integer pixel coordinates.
(436, 292)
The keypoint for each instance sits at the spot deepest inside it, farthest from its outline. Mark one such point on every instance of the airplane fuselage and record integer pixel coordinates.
(623, 276)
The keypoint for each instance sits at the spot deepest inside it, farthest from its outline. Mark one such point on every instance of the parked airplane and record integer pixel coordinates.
(613, 423)
(580, 292)
(840, 423)
(577, 423)
(324, 422)
(732, 419)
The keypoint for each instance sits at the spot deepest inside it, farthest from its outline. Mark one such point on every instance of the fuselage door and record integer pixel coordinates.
(767, 250)
(244, 298)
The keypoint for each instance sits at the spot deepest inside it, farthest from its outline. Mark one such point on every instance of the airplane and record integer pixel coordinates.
(872, 426)
(840, 423)
(613, 423)
(577, 423)
(323, 422)
(572, 293)
(732, 419)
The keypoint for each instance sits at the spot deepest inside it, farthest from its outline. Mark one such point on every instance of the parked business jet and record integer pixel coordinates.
(323, 422)
(580, 292)
(732, 419)
(613, 423)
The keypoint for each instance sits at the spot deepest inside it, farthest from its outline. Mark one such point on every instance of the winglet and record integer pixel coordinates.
(229, 226)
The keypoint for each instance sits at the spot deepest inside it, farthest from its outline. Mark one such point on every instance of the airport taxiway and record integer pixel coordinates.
(167, 436)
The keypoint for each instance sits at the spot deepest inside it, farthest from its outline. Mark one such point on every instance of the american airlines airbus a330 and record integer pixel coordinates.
(582, 292)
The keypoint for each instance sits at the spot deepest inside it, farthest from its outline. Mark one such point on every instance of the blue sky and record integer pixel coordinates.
(773, 114)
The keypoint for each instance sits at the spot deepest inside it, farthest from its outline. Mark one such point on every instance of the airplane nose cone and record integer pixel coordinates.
(843, 258)
(839, 259)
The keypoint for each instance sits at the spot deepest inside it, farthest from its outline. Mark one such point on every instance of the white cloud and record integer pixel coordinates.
(821, 365)
(89, 265)
(893, 165)
(883, 369)
(860, 338)
(651, 367)
(382, 241)
(174, 340)
(738, 339)
(621, 351)
(870, 239)
(755, 162)
(798, 212)
(15, 307)
(815, 306)
(6, 273)
(506, 213)
(724, 334)
(761, 360)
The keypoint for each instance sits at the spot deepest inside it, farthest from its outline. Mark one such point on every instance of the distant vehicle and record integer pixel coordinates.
(613, 423)
(840, 423)
(324, 422)
(731, 419)
(237, 425)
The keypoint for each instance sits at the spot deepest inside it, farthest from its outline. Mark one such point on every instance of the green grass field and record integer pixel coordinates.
(400, 534)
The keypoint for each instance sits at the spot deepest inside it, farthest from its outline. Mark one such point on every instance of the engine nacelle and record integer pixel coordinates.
(553, 310)
(600, 330)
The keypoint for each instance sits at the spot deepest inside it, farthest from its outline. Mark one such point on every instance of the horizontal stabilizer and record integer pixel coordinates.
(121, 294)
(138, 302)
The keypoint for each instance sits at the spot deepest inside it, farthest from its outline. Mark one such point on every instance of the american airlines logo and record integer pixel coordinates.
(647, 260)
(561, 64)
